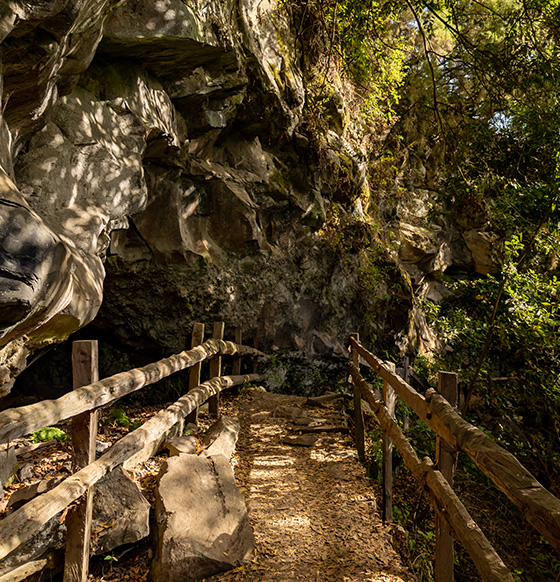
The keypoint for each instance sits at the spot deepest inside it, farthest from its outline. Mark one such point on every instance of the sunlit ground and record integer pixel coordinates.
(313, 512)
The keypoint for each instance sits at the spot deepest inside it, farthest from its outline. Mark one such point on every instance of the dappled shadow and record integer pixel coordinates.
(40, 275)
(313, 513)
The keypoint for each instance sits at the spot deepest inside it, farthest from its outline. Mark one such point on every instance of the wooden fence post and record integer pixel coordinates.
(406, 374)
(390, 400)
(194, 372)
(359, 434)
(446, 459)
(84, 432)
(216, 369)
(236, 367)
(236, 364)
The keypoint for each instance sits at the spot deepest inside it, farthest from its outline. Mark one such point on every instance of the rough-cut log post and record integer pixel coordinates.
(84, 432)
(194, 372)
(406, 374)
(539, 507)
(359, 435)
(216, 369)
(390, 399)
(236, 365)
(446, 459)
(19, 526)
(447, 504)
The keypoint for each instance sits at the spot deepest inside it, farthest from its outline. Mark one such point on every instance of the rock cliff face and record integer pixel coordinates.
(156, 155)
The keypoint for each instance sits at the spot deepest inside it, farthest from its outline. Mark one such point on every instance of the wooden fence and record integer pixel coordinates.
(437, 410)
(81, 405)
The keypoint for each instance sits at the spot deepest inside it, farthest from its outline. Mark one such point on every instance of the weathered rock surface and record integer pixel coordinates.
(113, 129)
(181, 445)
(320, 427)
(220, 438)
(46, 47)
(48, 288)
(288, 412)
(120, 516)
(8, 465)
(304, 440)
(118, 504)
(102, 146)
(202, 521)
(158, 153)
(323, 400)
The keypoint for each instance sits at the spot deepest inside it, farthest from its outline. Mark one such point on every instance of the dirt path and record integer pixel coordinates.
(313, 512)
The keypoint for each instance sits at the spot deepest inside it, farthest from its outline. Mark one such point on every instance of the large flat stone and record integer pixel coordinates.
(202, 522)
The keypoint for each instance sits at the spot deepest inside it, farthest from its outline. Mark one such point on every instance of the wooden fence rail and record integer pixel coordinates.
(447, 504)
(18, 422)
(81, 405)
(540, 507)
(437, 410)
(23, 523)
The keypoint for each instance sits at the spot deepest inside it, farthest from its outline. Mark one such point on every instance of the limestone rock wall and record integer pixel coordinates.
(158, 137)
(155, 155)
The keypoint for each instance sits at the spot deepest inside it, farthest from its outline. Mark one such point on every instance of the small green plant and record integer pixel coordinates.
(48, 434)
(111, 559)
(118, 417)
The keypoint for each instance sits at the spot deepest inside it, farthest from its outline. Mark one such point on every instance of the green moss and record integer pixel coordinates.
(277, 183)
(48, 433)
(119, 417)
(276, 74)
(56, 330)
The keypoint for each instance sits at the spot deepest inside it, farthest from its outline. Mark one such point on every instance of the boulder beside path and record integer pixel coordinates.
(201, 518)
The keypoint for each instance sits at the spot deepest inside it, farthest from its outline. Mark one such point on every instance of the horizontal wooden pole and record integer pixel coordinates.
(24, 571)
(406, 392)
(17, 422)
(19, 526)
(448, 505)
(539, 507)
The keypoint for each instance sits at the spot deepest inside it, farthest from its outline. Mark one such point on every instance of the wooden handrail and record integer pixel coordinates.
(18, 422)
(448, 505)
(23, 523)
(406, 392)
(540, 507)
